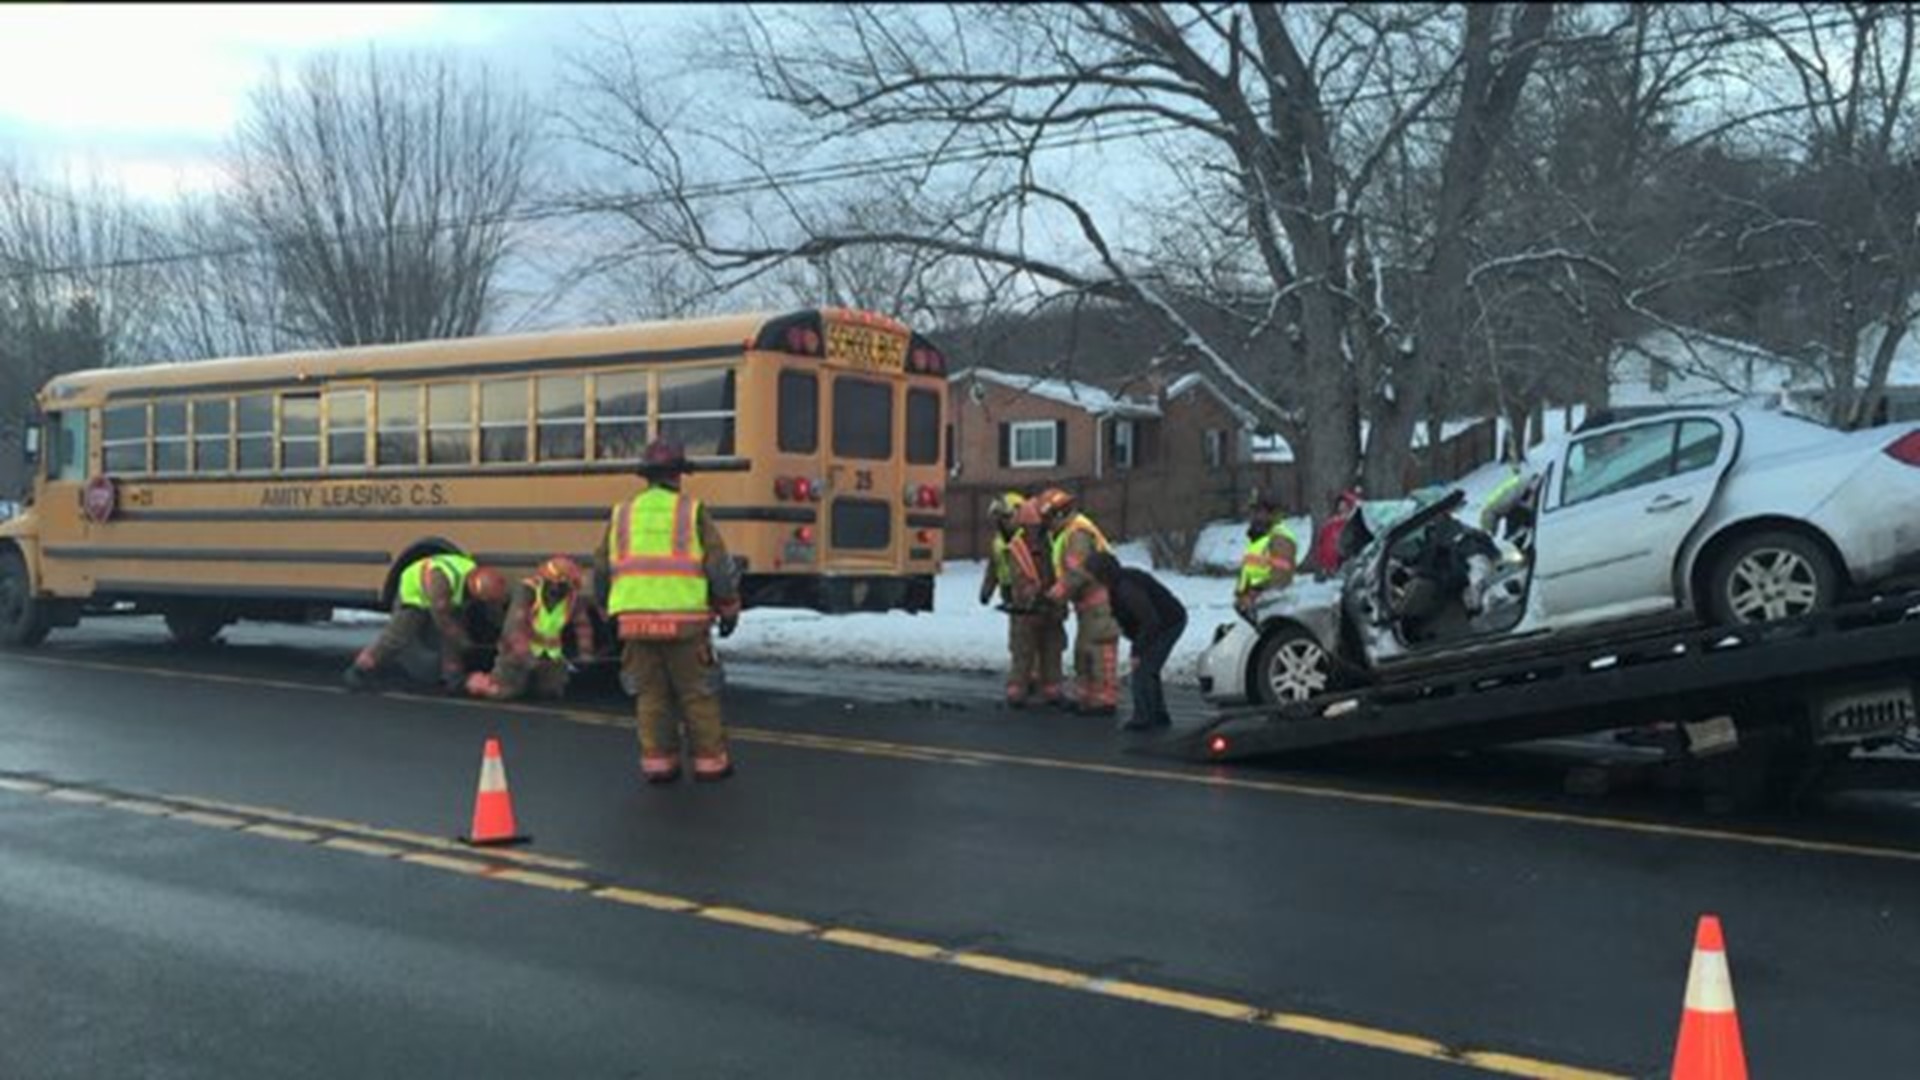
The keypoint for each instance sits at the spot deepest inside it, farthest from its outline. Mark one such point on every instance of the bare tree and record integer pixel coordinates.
(385, 191)
(1286, 118)
(223, 293)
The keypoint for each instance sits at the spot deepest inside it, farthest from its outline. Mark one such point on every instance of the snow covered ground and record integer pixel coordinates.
(961, 634)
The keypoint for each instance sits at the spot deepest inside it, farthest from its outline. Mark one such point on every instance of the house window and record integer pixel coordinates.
(1034, 445)
(1214, 448)
(1123, 443)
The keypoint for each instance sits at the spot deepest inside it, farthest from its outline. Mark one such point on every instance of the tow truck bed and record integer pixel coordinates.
(1836, 677)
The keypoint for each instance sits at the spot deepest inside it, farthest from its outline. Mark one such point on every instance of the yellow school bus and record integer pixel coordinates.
(281, 487)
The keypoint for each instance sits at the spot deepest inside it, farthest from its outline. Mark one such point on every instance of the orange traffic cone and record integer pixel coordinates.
(492, 806)
(1709, 1047)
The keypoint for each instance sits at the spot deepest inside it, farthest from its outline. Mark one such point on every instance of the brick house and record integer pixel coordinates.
(1153, 454)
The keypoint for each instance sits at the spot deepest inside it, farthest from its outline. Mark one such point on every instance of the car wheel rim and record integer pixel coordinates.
(1298, 672)
(1770, 584)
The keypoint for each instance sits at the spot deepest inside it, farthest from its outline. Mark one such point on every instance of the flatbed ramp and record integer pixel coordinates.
(1837, 677)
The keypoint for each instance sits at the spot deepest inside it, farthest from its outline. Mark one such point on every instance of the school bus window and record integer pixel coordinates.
(300, 431)
(696, 411)
(503, 421)
(450, 424)
(212, 435)
(399, 439)
(619, 415)
(67, 457)
(923, 427)
(124, 438)
(799, 412)
(170, 436)
(255, 443)
(563, 417)
(862, 419)
(346, 429)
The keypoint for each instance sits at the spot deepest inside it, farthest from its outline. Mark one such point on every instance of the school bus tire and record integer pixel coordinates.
(195, 626)
(24, 618)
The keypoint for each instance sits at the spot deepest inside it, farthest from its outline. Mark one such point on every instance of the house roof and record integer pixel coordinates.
(1698, 369)
(1194, 380)
(1079, 395)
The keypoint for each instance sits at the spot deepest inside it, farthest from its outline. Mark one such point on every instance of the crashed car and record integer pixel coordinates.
(1695, 517)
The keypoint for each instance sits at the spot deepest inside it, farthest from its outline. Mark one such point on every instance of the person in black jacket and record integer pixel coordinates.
(1153, 620)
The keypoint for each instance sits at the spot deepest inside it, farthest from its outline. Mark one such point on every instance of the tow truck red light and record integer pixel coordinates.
(1217, 745)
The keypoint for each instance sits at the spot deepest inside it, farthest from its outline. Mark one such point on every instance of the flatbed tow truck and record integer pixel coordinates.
(1785, 705)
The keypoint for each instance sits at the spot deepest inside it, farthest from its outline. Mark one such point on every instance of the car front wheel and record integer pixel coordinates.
(1290, 666)
(1771, 576)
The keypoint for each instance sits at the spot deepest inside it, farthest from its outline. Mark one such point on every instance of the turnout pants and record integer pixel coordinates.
(675, 676)
(1096, 659)
(542, 678)
(1034, 644)
(411, 641)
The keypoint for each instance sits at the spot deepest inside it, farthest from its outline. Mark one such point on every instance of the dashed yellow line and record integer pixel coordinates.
(964, 757)
(181, 808)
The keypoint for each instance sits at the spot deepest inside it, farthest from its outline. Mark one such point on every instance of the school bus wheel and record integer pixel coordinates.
(23, 619)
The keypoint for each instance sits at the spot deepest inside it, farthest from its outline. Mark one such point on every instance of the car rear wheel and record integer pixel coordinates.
(1290, 666)
(1771, 576)
(23, 620)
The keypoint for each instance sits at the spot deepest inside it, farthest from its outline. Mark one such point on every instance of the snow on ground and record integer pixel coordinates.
(961, 634)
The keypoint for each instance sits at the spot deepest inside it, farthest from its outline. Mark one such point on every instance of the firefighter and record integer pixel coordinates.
(669, 577)
(1269, 559)
(1014, 572)
(430, 610)
(532, 651)
(1512, 504)
(1075, 539)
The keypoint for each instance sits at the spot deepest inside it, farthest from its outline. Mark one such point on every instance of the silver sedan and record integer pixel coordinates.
(1685, 517)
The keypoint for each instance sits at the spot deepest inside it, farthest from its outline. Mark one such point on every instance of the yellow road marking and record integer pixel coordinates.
(984, 963)
(773, 924)
(281, 832)
(360, 847)
(76, 795)
(540, 881)
(956, 756)
(882, 943)
(446, 862)
(642, 898)
(361, 828)
(1020, 969)
(202, 817)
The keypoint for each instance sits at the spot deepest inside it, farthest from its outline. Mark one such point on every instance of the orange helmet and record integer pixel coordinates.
(1054, 502)
(486, 585)
(561, 570)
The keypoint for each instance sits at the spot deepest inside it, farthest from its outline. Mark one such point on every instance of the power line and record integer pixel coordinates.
(871, 168)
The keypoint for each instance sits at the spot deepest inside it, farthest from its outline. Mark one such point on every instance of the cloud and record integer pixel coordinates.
(69, 71)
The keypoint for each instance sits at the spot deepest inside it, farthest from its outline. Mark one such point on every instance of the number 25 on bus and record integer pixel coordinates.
(281, 487)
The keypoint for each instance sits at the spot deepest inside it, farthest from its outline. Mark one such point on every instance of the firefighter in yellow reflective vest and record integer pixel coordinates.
(1032, 625)
(1272, 551)
(430, 612)
(532, 649)
(1096, 635)
(669, 578)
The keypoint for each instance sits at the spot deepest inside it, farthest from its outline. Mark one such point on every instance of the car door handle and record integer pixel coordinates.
(1668, 502)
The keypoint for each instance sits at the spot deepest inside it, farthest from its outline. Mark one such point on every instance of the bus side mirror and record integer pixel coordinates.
(31, 444)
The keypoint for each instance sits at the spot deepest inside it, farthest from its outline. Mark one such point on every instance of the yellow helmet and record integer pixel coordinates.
(1006, 506)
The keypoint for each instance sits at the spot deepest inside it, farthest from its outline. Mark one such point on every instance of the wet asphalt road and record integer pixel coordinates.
(1417, 913)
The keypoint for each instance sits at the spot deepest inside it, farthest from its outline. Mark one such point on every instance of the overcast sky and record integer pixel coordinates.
(144, 95)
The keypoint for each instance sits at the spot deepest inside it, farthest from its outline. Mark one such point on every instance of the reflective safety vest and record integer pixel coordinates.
(658, 561)
(1080, 523)
(550, 623)
(1256, 566)
(413, 580)
(1013, 564)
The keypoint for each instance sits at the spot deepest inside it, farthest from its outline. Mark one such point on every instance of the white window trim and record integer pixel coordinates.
(1015, 461)
(1125, 438)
